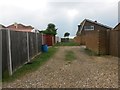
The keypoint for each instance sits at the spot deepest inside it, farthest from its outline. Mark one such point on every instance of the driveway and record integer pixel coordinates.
(83, 72)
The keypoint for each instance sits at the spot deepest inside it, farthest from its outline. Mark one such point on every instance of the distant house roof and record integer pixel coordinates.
(2, 26)
(117, 27)
(94, 22)
(20, 27)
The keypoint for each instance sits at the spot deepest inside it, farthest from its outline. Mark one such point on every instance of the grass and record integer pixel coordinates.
(67, 44)
(90, 53)
(27, 68)
(70, 56)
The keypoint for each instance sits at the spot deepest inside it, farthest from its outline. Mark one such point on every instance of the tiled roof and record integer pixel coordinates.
(98, 23)
(20, 27)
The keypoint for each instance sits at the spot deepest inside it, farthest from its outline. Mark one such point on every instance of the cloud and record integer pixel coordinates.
(66, 15)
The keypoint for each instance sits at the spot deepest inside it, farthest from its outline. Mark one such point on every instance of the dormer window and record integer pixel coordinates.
(88, 27)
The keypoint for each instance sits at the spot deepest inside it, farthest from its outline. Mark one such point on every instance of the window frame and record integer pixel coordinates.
(92, 27)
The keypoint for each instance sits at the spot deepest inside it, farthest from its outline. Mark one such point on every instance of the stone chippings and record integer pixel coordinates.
(84, 72)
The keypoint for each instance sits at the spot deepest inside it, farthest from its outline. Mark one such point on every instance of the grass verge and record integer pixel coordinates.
(67, 44)
(27, 68)
(70, 56)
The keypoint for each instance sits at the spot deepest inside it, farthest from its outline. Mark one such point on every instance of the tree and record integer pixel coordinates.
(66, 34)
(51, 30)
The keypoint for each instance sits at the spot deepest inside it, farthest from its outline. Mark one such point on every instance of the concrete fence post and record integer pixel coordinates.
(42, 38)
(28, 53)
(36, 42)
(0, 55)
(9, 53)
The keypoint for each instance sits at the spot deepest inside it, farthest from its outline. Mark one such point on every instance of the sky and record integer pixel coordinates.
(65, 14)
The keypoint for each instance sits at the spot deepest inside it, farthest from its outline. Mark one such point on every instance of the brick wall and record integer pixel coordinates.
(97, 41)
(77, 39)
(92, 41)
(103, 42)
(80, 39)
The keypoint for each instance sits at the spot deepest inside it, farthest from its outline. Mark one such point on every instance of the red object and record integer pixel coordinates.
(49, 40)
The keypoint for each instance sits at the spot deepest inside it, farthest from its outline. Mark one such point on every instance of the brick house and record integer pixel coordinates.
(86, 26)
(20, 27)
(94, 35)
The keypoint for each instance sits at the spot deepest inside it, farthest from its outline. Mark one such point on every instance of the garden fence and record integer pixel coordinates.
(18, 48)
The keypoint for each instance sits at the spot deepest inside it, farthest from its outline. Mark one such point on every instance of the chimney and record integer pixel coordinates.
(95, 21)
(15, 24)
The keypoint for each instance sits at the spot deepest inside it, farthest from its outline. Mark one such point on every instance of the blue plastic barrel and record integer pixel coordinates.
(44, 48)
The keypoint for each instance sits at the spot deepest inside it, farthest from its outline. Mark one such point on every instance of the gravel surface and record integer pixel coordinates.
(84, 72)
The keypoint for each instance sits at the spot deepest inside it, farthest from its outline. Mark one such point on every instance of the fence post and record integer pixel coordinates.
(9, 53)
(28, 53)
(37, 42)
(42, 38)
(0, 55)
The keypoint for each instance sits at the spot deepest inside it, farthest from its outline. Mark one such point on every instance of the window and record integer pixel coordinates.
(88, 27)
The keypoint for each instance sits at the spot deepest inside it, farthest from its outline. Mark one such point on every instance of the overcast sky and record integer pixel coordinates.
(65, 14)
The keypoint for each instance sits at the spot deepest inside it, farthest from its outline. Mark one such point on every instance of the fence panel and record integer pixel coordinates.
(32, 45)
(114, 42)
(103, 42)
(119, 43)
(0, 55)
(14, 48)
(4, 51)
(18, 48)
(39, 37)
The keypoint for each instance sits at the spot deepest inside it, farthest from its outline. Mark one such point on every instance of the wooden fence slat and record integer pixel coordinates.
(0, 54)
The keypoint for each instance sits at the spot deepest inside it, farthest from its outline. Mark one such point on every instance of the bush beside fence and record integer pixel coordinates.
(18, 48)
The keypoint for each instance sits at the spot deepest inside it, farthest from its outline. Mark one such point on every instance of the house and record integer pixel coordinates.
(94, 35)
(20, 27)
(86, 26)
(2, 26)
(117, 27)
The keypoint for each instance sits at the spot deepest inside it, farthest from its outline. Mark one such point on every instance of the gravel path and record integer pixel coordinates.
(84, 72)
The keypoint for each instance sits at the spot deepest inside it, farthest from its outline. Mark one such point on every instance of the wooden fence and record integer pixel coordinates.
(115, 43)
(18, 48)
(0, 55)
(104, 42)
